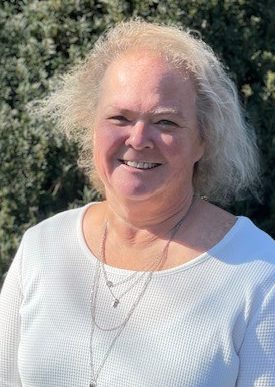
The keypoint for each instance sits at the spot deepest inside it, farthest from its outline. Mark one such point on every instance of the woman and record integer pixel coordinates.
(153, 286)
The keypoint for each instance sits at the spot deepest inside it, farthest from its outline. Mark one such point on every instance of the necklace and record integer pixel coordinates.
(94, 376)
(110, 284)
(116, 298)
(119, 328)
(133, 307)
(149, 266)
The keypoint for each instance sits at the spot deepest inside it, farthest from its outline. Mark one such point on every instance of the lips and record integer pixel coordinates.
(140, 164)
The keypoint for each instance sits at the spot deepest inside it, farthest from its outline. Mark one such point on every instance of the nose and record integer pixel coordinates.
(140, 136)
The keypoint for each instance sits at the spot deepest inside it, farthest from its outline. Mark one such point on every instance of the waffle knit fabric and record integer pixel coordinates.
(207, 323)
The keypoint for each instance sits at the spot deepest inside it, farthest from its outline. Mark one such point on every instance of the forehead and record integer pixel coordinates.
(143, 63)
(149, 76)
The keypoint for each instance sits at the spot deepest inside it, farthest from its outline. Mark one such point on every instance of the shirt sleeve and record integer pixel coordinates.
(10, 302)
(257, 355)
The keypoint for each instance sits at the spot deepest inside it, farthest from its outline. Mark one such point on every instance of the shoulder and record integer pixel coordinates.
(60, 222)
(56, 230)
(251, 240)
(242, 252)
(50, 244)
(236, 234)
(247, 254)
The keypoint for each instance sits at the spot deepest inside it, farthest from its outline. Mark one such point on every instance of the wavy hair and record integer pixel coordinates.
(229, 167)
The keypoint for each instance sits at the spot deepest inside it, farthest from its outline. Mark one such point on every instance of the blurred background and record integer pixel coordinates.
(40, 40)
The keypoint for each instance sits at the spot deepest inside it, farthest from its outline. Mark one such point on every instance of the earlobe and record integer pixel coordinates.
(201, 151)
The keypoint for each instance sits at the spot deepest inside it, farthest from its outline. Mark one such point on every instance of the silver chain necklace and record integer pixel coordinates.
(94, 294)
(95, 375)
(110, 284)
(149, 266)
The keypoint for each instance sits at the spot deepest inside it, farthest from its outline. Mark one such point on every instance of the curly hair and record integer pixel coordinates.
(229, 167)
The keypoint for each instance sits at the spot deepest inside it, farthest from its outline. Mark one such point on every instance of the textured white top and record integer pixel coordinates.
(207, 323)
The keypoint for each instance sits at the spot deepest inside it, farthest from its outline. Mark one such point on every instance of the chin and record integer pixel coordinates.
(138, 193)
(132, 192)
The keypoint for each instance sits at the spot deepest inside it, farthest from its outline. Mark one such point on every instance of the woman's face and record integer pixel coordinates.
(146, 138)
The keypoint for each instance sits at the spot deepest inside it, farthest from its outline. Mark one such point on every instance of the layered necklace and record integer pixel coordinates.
(137, 276)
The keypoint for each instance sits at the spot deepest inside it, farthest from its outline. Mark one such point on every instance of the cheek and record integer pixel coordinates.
(174, 147)
(108, 144)
(105, 140)
(100, 143)
(182, 149)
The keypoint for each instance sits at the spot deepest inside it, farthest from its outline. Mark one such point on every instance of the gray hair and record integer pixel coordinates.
(229, 167)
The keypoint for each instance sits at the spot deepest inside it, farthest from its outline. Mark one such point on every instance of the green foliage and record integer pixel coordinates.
(41, 40)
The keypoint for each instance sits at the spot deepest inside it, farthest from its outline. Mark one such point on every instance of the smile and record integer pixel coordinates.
(140, 164)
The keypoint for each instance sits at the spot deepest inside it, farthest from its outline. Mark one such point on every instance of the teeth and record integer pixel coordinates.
(140, 164)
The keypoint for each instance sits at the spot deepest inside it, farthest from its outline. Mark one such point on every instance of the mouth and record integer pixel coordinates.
(140, 164)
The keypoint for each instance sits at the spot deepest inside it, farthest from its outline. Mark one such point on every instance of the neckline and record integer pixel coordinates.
(185, 266)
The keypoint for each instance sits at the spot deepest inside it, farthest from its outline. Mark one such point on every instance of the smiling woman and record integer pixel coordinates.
(229, 167)
(118, 293)
(139, 124)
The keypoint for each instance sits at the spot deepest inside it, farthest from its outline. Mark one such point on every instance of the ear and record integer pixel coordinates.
(200, 150)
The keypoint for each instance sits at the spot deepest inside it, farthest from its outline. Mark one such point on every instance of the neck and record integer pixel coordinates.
(139, 224)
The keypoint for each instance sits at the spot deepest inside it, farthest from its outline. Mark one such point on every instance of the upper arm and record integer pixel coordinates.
(10, 302)
(257, 355)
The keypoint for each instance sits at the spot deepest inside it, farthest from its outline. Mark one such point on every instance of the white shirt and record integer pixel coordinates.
(206, 323)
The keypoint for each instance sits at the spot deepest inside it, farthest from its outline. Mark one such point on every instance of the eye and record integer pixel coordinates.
(119, 119)
(166, 123)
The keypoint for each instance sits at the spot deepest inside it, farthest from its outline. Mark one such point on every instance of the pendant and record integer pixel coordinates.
(93, 384)
(116, 303)
(110, 284)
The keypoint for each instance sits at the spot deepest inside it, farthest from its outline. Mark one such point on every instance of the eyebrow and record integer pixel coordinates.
(160, 111)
